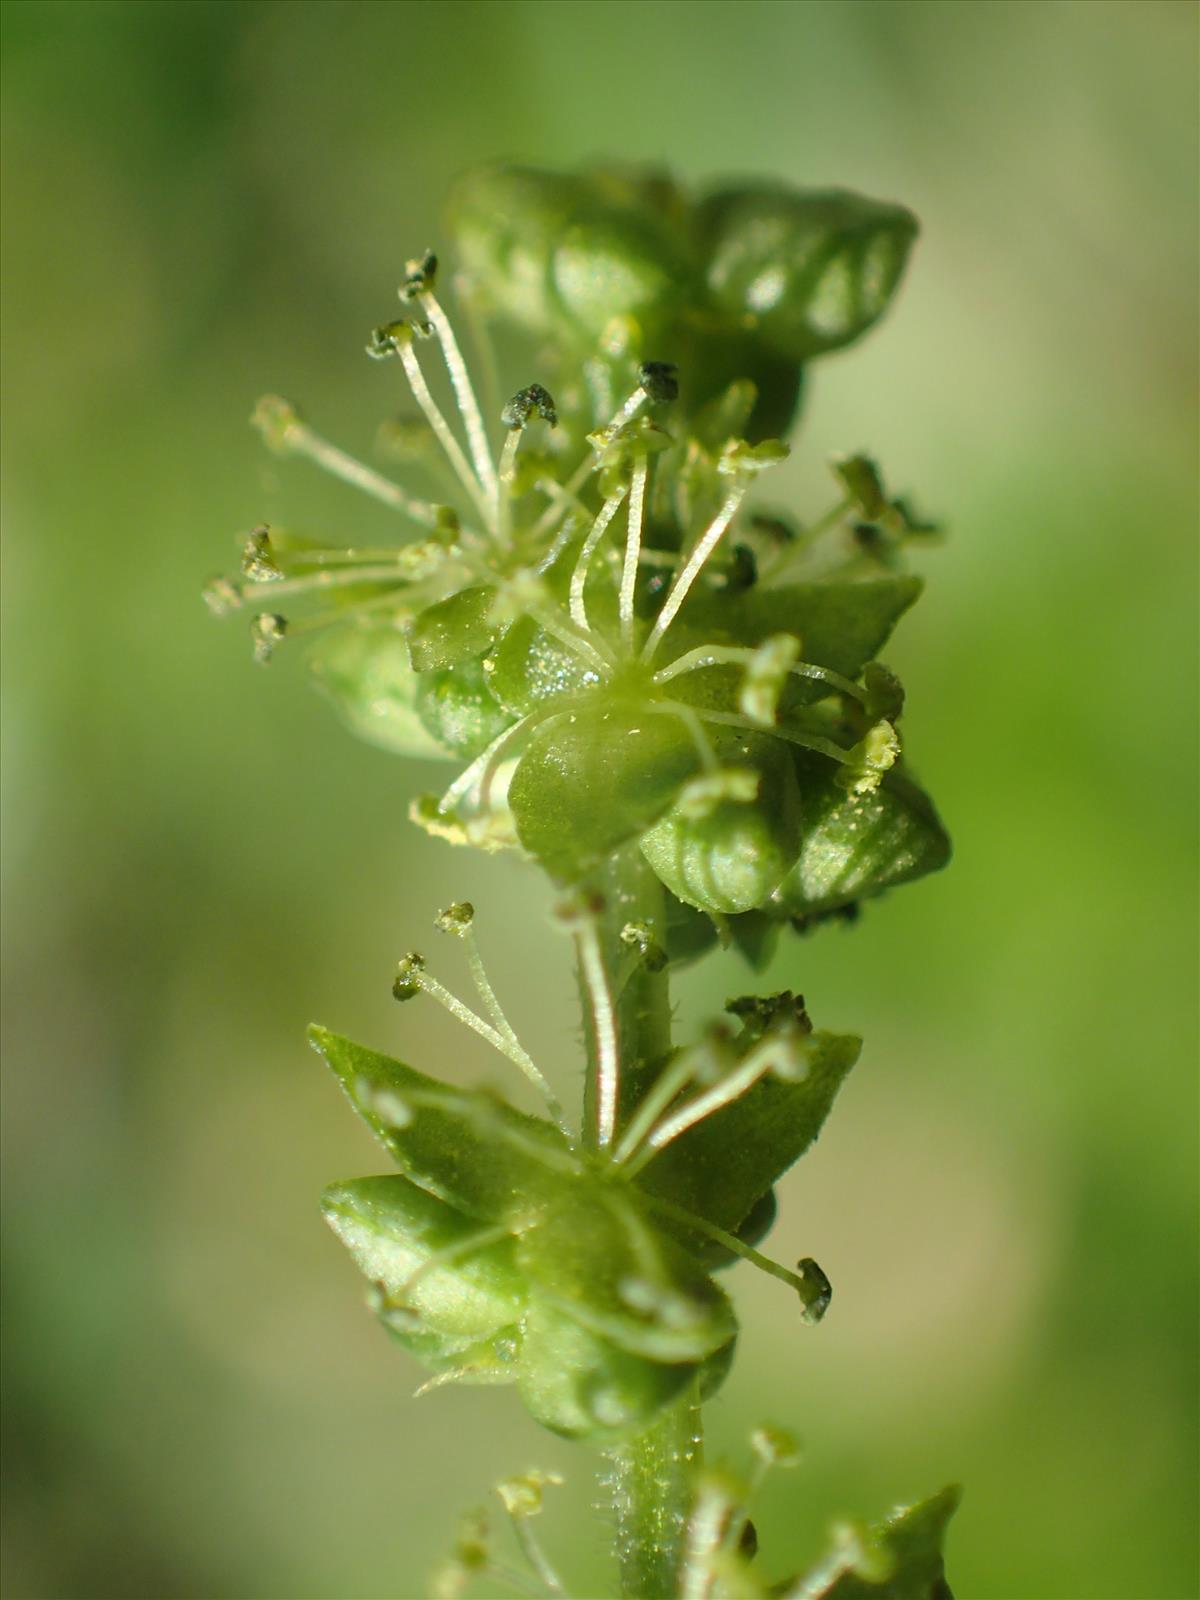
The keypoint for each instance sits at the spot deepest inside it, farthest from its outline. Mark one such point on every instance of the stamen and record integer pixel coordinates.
(697, 1109)
(716, 1507)
(584, 560)
(805, 539)
(824, 747)
(625, 413)
(412, 979)
(468, 297)
(446, 1257)
(459, 920)
(472, 777)
(810, 1283)
(633, 546)
(604, 1027)
(283, 430)
(692, 721)
(522, 1499)
(722, 655)
(515, 416)
(346, 577)
(558, 544)
(703, 548)
(665, 1089)
(266, 633)
(484, 501)
(464, 394)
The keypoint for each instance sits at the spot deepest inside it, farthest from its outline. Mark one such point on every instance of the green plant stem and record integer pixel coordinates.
(649, 1485)
(630, 893)
(648, 1482)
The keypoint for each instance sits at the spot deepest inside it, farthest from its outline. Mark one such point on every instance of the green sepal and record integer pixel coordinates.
(456, 706)
(453, 629)
(467, 1147)
(472, 1361)
(855, 846)
(592, 779)
(754, 935)
(579, 1384)
(899, 1558)
(720, 1168)
(392, 1227)
(367, 674)
(862, 482)
(601, 1258)
(809, 272)
(840, 625)
(566, 253)
(731, 860)
(689, 933)
(530, 666)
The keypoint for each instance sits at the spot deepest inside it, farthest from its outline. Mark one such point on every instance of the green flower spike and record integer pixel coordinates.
(670, 699)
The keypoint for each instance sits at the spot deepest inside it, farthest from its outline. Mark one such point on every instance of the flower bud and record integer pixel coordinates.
(731, 859)
(808, 271)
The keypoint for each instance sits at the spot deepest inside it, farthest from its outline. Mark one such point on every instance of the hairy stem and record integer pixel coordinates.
(630, 894)
(648, 1482)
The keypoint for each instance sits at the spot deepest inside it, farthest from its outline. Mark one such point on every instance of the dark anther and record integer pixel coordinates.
(869, 535)
(743, 569)
(775, 528)
(747, 1545)
(758, 1012)
(809, 920)
(660, 379)
(523, 405)
(419, 276)
(819, 1288)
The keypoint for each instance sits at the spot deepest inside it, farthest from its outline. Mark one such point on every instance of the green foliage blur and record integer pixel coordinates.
(207, 201)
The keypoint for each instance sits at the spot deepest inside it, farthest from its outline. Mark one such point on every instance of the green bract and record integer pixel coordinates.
(808, 272)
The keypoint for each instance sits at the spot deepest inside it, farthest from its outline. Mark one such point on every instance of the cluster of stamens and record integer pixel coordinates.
(479, 541)
(698, 1083)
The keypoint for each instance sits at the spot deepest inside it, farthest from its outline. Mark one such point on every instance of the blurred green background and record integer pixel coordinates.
(206, 201)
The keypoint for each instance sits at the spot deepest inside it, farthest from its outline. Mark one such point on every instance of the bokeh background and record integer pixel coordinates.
(206, 201)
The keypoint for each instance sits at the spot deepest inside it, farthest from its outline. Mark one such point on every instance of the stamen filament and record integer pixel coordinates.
(701, 1106)
(505, 1043)
(433, 415)
(701, 551)
(604, 1026)
(328, 619)
(301, 440)
(496, 1011)
(806, 539)
(536, 1557)
(583, 563)
(464, 394)
(633, 546)
(592, 650)
(557, 545)
(719, 655)
(485, 351)
(689, 1219)
(508, 471)
(664, 1090)
(588, 465)
(693, 723)
(478, 776)
(446, 1257)
(316, 582)
(823, 747)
